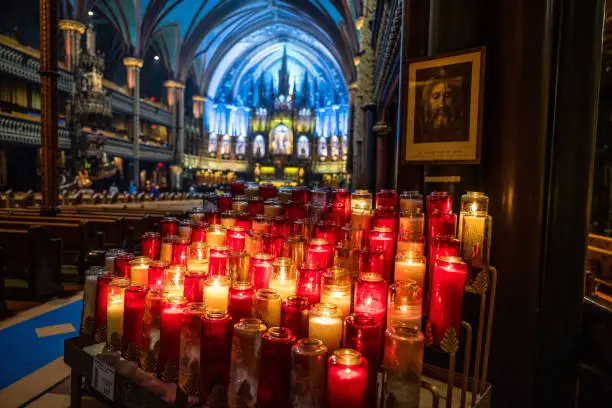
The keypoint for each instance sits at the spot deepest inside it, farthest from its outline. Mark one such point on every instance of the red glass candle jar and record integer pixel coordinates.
(383, 239)
(213, 217)
(273, 209)
(371, 261)
(273, 244)
(217, 261)
(238, 266)
(190, 360)
(185, 230)
(294, 315)
(194, 286)
(255, 206)
(441, 225)
(170, 339)
(326, 232)
(261, 223)
(216, 348)
(198, 232)
(319, 196)
(235, 238)
(371, 296)
(237, 187)
(347, 379)
(100, 316)
(132, 321)
(309, 282)
(411, 201)
(448, 286)
(169, 226)
(281, 226)
(109, 259)
(260, 270)
(362, 333)
(180, 252)
(240, 300)
(244, 221)
(274, 375)
(151, 325)
(215, 235)
(319, 253)
(300, 195)
(267, 191)
(298, 212)
(439, 202)
(156, 275)
(151, 245)
(253, 243)
(225, 202)
(385, 220)
(122, 265)
(299, 227)
(295, 248)
(439, 247)
(388, 201)
(165, 254)
(174, 279)
(341, 203)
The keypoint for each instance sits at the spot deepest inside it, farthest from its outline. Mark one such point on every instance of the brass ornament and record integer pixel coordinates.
(480, 285)
(115, 342)
(149, 359)
(101, 334)
(450, 341)
(133, 62)
(132, 352)
(170, 373)
(71, 25)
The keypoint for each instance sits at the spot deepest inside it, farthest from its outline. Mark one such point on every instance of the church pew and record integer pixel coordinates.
(77, 239)
(3, 308)
(32, 262)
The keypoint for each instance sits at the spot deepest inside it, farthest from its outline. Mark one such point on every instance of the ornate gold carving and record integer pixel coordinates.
(132, 352)
(170, 373)
(359, 23)
(174, 84)
(133, 62)
(480, 284)
(71, 25)
(450, 341)
(101, 334)
(198, 98)
(357, 60)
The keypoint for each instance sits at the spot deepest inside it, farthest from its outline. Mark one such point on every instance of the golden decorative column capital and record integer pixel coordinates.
(131, 62)
(381, 129)
(359, 22)
(198, 98)
(174, 84)
(71, 25)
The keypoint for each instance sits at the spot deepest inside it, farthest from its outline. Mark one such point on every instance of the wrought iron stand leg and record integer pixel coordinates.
(75, 388)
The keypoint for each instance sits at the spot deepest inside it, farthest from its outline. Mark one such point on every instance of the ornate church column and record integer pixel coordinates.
(133, 67)
(176, 101)
(198, 114)
(72, 30)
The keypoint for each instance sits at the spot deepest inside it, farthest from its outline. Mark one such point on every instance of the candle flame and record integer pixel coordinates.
(474, 207)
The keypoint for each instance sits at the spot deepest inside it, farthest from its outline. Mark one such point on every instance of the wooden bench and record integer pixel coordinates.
(32, 262)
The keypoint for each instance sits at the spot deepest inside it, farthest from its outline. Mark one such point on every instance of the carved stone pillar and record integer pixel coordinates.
(176, 102)
(133, 66)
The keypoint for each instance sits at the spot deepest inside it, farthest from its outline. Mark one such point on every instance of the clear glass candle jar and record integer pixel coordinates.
(185, 230)
(283, 277)
(217, 261)
(170, 338)
(122, 265)
(308, 373)
(190, 361)
(132, 321)
(169, 226)
(410, 266)
(347, 379)
(216, 347)
(260, 270)
(261, 223)
(240, 204)
(371, 296)
(342, 254)
(274, 389)
(240, 300)
(253, 243)
(174, 279)
(151, 327)
(411, 201)
(90, 289)
(215, 235)
(403, 364)
(114, 313)
(309, 282)
(216, 293)
(198, 231)
(319, 253)
(326, 232)
(362, 219)
(411, 222)
(267, 306)
(325, 323)
(294, 315)
(244, 363)
(196, 214)
(139, 271)
(405, 304)
(336, 289)
(414, 244)
(272, 209)
(150, 244)
(198, 257)
(228, 219)
(238, 266)
(295, 248)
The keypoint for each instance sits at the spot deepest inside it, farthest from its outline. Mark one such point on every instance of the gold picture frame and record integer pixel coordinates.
(443, 115)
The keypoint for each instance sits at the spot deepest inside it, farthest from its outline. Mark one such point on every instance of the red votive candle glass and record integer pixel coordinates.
(371, 296)
(133, 316)
(156, 275)
(267, 191)
(244, 221)
(237, 188)
(238, 266)
(371, 261)
(253, 242)
(213, 217)
(151, 324)
(439, 202)
(347, 379)
(169, 226)
(383, 239)
(326, 232)
(225, 202)
(150, 245)
(281, 226)
(100, 316)
(441, 225)
(341, 203)
(180, 252)
(216, 348)
(319, 253)
(165, 254)
(194, 286)
(260, 270)
(240, 300)
(273, 244)
(185, 230)
(275, 373)
(235, 238)
(448, 286)
(255, 206)
(384, 220)
(198, 232)
(439, 247)
(190, 361)
(123, 265)
(309, 282)
(300, 195)
(261, 223)
(294, 315)
(170, 339)
(388, 201)
(362, 333)
(217, 261)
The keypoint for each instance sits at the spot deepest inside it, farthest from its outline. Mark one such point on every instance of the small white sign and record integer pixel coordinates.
(103, 378)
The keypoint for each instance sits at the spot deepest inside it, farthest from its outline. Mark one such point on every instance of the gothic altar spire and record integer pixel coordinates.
(283, 75)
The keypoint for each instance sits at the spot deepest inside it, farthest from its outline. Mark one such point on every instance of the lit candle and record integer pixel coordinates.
(260, 270)
(411, 223)
(326, 232)
(216, 293)
(216, 348)
(114, 310)
(371, 296)
(405, 304)
(150, 243)
(198, 232)
(441, 225)
(309, 282)
(341, 204)
(475, 230)
(347, 379)
(170, 339)
(319, 253)
(109, 259)
(271, 209)
(238, 266)
(410, 266)
(336, 289)
(294, 315)
(174, 278)
(383, 239)
(240, 300)
(411, 243)
(261, 223)
(281, 226)
(236, 237)
(385, 220)
(101, 314)
(185, 230)
(194, 286)
(267, 306)
(361, 219)
(166, 248)
(215, 236)
(198, 257)
(213, 217)
(253, 243)
(228, 220)
(240, 206)
(156, 275)
(139, 271)
(180, 252)
(283, 277)
(217, 261)
(295, 248)
(411, 201)
(371, 261)
(325, 324)
(169, 226)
